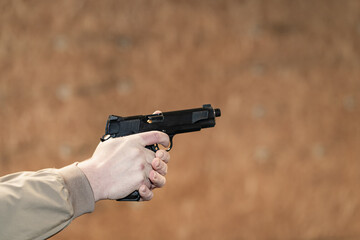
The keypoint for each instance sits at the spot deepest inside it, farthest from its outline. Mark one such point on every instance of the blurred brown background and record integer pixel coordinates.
(283, 160)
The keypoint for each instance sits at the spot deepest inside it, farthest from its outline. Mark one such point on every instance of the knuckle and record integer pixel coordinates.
(165, 169)
(142, 166)
(162, 166)
(162, 170)
(136, 152)
(156, 163)
(161, 181)
(148, 196)
(166, 156)
(157, 136)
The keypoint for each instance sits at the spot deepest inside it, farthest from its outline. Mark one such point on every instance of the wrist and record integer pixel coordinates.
(91, 174)
(80, 192)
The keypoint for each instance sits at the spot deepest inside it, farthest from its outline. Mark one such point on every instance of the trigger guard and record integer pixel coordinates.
(156, 147)
(171, 144)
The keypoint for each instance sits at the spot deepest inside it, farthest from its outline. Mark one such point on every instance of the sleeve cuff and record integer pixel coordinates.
(81, 193)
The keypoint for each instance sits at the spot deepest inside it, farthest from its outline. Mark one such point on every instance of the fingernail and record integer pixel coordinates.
(154, 177)
(157, 163)
(142, 189)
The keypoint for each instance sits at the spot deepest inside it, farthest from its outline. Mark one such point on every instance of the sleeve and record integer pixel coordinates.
(37, 205)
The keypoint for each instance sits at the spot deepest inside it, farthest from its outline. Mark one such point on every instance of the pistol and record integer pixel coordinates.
(171, 123)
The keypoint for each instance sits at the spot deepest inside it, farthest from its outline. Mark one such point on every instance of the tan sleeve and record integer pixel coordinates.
(37, 205)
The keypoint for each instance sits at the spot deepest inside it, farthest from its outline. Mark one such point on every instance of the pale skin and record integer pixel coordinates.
(122, 165)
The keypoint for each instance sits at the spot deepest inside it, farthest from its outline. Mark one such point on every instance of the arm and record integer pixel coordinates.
(36, 205)
(39, 204)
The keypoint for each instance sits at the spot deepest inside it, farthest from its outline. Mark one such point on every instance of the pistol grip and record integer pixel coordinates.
(134, 196)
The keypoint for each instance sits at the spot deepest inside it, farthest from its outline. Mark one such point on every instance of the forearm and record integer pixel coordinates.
(37, 205)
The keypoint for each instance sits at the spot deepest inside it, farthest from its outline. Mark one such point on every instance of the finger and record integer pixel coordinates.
(159, 166)
(150, 155)
(163, 155)
(145, 193)
(154, 137)
(158, 180)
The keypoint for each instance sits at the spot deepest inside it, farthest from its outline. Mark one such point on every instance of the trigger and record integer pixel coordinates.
(155, 147)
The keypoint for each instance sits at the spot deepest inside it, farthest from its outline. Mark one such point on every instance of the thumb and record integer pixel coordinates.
(154, 137)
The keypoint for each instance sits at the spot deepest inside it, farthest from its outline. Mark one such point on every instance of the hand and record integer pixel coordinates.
(157, 175)
(159, 164)
(122, 165)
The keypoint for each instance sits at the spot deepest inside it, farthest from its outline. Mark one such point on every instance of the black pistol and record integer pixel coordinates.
(171, 123)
